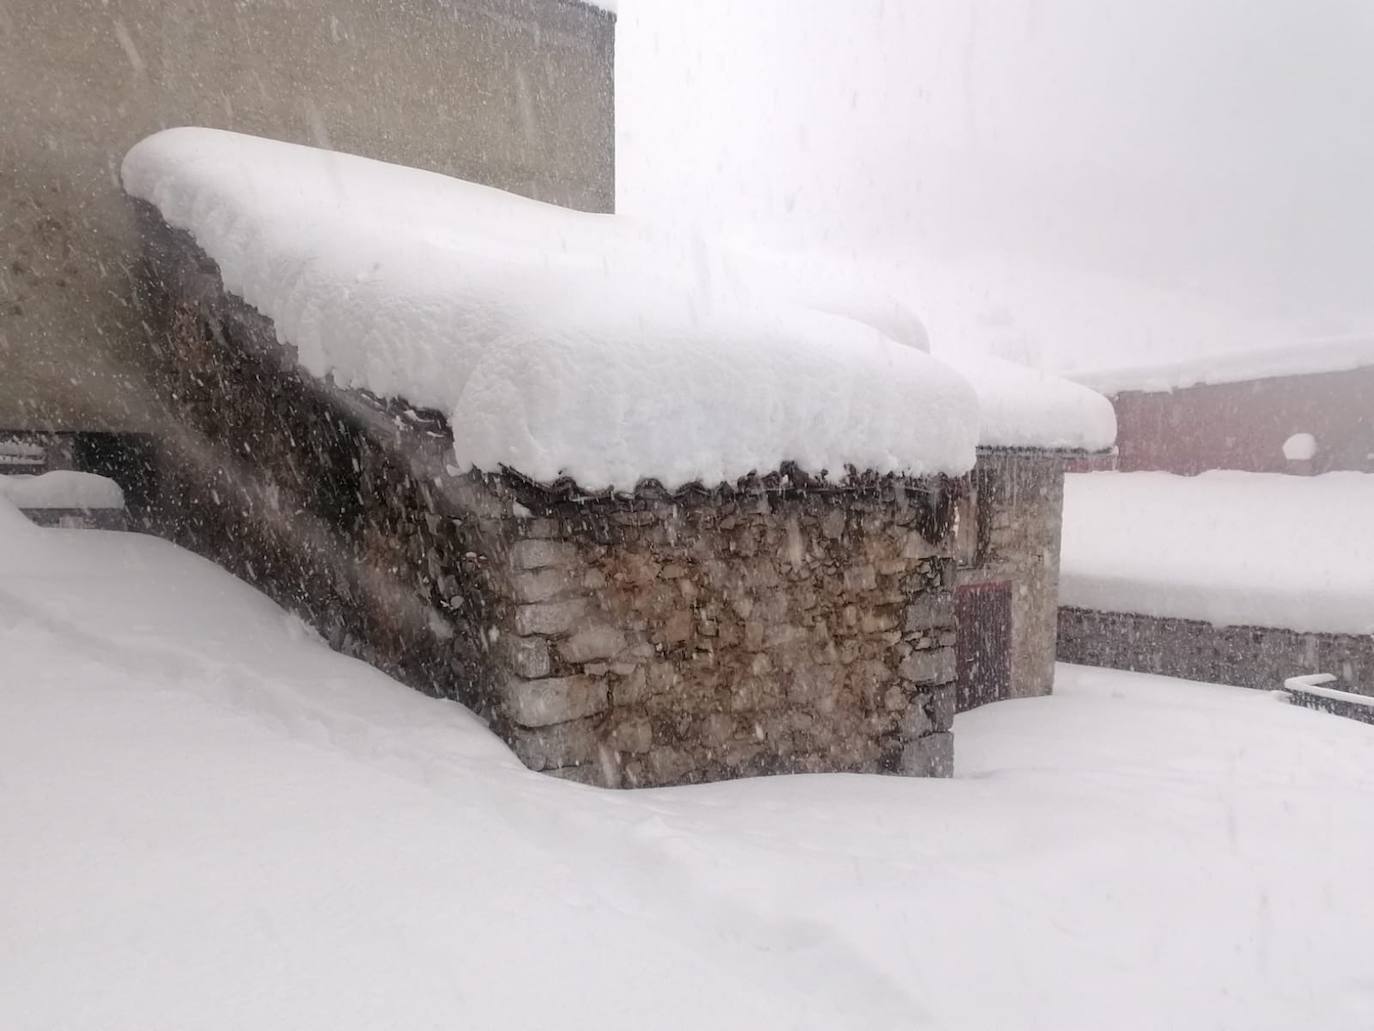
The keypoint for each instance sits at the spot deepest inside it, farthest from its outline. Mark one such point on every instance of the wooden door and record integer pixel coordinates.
(983, 613)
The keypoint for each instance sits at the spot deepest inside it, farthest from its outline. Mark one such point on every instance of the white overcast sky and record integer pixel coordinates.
(1215, 156)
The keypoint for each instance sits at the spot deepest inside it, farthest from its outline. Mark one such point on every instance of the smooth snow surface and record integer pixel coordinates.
(202, 835)
(62, 488)
(1022, 407)
(562, 343)
(1300, 359)
(1232, 548)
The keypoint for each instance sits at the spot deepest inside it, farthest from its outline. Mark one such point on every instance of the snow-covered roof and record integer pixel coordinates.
(62, 488)
(1309, 357)
(1232, 548)
(560, 343)
(595, 347)
(1021, 407)
(923, 306)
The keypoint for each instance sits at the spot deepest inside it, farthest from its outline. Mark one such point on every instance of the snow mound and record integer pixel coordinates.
(1231, 548)
(276, 836)
(63, 488)
(560, 343)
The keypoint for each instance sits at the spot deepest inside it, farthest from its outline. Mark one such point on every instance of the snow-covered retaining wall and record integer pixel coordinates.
(1244, 656)
(780, 623)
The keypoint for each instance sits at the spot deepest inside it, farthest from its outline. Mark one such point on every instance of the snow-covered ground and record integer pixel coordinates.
(1231, 548)
(209, 820)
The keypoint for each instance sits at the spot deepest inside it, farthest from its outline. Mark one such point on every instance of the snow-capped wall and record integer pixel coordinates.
(559, 344)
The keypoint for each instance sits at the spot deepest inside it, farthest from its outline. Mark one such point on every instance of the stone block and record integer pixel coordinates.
(915, 546)
(631, 689)
(935, 666)
(549, 748)
(635, 735)
(930, 756)
(943, 701)
(931, 610)
(591, 642)
(543, 584)
(916, 722)
(549, 617)
(542, 554)
(860, 578)
(528, 657)
(542, 703)
(832, 524)
(677, 628)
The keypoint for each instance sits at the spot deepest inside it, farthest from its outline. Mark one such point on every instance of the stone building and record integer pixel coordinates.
(777, 624)
(512, 93)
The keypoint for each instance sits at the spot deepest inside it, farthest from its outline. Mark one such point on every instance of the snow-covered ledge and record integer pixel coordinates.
(668, 614)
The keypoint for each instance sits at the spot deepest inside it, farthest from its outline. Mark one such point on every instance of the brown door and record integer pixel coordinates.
(983, 612)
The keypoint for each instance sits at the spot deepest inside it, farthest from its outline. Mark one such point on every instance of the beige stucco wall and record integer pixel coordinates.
(514, 93)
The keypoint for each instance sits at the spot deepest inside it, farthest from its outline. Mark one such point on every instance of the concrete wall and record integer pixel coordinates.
(774, 625)
(1244, 425)
(513, 93)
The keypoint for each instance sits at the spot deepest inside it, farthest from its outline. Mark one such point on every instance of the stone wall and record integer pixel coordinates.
(776, 625)
(1258, 657)
(1009, 525)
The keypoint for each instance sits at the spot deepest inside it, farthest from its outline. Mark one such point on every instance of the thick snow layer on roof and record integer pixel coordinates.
(279, 837)
(1023, 407)
(1231, 548)
(1339, 354)
(562, 343)
(62, 488)
(919, 306)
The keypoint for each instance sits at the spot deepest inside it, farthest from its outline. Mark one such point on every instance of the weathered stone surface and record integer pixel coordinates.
(529, 657)
(635, 735)
(541, 703)
(541, 554)
(934, 666)
(590, 642)
(550, 617)
(860, 578)
(929, 611)
(943, 705)
(557, 747)
(544, 585)
(929, 756)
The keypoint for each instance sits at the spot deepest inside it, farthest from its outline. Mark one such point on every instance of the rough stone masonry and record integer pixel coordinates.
(781, 624)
